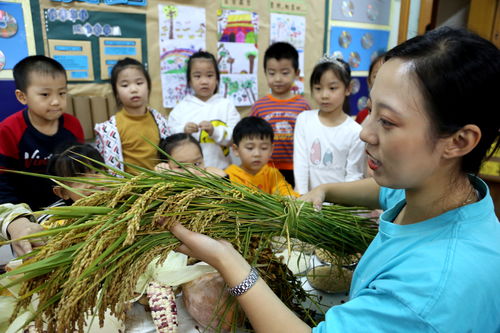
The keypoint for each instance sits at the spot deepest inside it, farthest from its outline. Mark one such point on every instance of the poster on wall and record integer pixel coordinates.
(237, 55)
(182, 31)
(291, 29)
(357, 46)
(112, 36)
(361, 11)
(13, 40)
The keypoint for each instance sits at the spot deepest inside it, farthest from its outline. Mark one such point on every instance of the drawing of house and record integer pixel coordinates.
(239, 29)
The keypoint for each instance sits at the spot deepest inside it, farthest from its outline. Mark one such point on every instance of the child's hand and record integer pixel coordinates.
(21, 227)
(190, 128)
(207, 126)
(162, 167)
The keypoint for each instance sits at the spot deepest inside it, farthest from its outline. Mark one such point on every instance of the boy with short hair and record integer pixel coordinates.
(30, 136)
(281, 107)
(253, 143)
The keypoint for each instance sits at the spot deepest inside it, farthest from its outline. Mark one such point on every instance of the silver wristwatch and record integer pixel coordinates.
(244, 286)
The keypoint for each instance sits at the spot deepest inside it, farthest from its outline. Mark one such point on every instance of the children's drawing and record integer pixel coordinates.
(174, 88)
(241, 89)
(298, 86)
(237, 26)
(291, 29)
(181, 22)
(288, 28)
(174, 56)
(234, 58)
(181, 33)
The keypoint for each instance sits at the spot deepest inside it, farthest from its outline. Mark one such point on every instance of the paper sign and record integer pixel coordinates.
(114, 49)
(75, 56)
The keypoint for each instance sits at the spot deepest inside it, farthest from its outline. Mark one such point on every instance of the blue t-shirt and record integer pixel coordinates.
(438, 275)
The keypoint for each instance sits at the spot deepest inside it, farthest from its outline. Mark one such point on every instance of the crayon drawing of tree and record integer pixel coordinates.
(248, 86)
(251, 59)
(226, 81)
(230, 61)
(222, 52)
(171, 12)
(234, 86)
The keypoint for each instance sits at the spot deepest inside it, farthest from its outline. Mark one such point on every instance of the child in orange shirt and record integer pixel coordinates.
(253, 143)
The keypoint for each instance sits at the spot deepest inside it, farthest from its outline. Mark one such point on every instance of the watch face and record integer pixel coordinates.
(8, 24)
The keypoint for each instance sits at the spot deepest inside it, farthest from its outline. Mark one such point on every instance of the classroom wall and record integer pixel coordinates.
(315, 22)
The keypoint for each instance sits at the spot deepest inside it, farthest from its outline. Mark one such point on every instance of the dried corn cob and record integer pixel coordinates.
(163, 307)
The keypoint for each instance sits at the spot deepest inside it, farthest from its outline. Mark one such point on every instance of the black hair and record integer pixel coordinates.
(282, 50)
(458, 75)
(379, 57)
(207, 56)
(123, 64)
(342, 71)
(69, 159)
(175, 140)
(251, 127)
(35, 64)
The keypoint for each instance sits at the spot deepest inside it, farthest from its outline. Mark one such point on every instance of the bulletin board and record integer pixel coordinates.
(141, 34)
(16, 34)
(357, 31)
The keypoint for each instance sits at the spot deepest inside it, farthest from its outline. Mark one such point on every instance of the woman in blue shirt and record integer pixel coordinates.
(434, 266)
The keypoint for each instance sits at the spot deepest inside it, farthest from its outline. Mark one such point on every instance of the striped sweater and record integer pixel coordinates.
(281, 114)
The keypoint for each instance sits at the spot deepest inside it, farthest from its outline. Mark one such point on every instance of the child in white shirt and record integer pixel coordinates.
(327, 147)
(206, 115)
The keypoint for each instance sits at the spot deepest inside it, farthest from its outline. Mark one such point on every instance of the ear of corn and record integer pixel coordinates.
(163, 307)
(94, 259)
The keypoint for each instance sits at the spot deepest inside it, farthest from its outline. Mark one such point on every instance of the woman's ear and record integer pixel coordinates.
(462, 141)
(61, 192)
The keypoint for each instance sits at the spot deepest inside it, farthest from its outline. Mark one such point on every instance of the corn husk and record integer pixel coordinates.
(94, 259)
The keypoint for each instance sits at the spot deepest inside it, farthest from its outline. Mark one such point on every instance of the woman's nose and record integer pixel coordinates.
(368, 133)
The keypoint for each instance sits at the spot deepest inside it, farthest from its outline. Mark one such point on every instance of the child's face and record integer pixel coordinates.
(330, 92)
(45, 96)
(203, 78)
(84, 189)
(188, 154)
(254, 153)
(132, 88)
(280, 76)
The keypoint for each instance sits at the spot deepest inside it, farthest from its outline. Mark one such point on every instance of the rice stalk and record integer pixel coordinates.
(92, 262)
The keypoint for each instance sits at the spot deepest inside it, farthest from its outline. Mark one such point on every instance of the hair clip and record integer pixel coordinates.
(330, 59)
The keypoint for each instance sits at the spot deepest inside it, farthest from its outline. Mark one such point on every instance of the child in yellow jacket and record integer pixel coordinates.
(253, 143)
